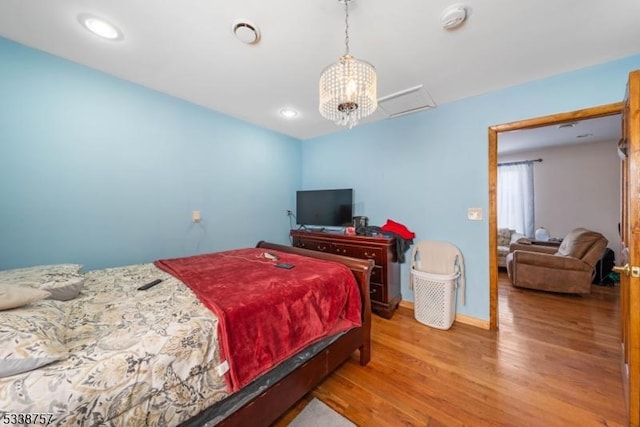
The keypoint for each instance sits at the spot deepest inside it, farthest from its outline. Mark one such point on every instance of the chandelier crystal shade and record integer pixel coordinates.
(348, 88)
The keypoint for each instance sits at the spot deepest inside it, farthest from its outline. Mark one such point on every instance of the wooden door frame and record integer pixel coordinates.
(630, 284)
(494, 131)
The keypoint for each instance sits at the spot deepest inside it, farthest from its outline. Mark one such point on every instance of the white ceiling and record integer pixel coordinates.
(187, 48)
(600, 129)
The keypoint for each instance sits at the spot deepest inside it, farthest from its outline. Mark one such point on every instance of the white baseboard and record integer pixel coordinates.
(460, 318)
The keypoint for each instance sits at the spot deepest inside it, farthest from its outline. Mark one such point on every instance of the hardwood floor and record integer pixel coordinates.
(555, 361)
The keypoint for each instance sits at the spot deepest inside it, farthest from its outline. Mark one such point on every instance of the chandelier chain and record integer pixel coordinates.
(346, 26)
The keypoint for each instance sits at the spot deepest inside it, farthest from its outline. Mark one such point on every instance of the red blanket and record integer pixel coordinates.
(266, 313)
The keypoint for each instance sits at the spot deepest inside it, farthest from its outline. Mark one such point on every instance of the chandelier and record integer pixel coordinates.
(348, 88)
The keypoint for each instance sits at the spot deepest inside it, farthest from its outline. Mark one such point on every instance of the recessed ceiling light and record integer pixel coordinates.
(288, 113)
(100, 27)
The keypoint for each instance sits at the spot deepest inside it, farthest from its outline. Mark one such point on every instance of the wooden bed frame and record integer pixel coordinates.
(272, 403)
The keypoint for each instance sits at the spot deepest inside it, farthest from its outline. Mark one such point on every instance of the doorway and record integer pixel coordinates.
(494, 131)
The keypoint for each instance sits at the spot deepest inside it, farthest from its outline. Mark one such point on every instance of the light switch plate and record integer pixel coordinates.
(474, 214)
(196, 216)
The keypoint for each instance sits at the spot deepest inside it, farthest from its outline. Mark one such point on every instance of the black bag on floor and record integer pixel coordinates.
(604, 266)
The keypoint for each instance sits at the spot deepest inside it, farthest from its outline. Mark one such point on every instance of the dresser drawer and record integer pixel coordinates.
(376, 292)
(314, 245)
(376, 275)
(346, 250)
(343, 250)
(376, 254)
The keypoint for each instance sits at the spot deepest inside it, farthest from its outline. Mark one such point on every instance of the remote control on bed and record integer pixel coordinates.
(284, 265)
(150, 284)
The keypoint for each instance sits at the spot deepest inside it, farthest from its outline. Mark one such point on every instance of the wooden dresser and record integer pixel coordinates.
(385, 277)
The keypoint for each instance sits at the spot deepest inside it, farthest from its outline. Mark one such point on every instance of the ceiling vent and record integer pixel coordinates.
(406, 101)
(246, 31)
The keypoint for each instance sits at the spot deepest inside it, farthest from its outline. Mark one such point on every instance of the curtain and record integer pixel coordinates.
(515, 198)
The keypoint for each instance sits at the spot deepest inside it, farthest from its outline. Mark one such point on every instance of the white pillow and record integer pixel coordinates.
(64, 290)
(31, 337)
(63, 281)
(12, 296)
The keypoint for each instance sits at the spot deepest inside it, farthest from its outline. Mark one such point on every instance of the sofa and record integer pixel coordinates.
(568, 268)
(506, 236)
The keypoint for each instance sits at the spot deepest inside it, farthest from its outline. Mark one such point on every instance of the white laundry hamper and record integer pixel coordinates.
(435, 298)
(437, 273)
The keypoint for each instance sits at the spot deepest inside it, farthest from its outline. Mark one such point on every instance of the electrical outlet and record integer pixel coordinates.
(474, 214)
(196, 216)
(288, 212)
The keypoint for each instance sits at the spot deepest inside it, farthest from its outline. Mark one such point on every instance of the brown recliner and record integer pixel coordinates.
(567, 269)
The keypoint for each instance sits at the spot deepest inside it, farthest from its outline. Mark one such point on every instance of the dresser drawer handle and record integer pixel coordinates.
(322, 248)
(338, 250)
(368, 255)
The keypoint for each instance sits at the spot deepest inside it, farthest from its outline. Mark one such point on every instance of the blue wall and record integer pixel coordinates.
(424, 170)
(102, 172)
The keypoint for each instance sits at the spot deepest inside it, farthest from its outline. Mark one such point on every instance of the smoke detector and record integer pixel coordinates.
(453, 16)
(246, 32)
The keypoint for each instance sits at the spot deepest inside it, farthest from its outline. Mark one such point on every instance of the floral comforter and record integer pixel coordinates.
(131, 358)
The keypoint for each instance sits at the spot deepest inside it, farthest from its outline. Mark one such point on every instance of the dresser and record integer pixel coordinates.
(385, 277)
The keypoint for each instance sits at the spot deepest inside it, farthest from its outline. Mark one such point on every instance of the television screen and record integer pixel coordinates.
(331, 208)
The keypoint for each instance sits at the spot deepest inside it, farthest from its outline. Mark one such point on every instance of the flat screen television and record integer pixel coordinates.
(326, 208)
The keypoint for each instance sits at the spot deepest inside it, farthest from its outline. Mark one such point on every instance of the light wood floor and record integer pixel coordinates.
(555, 361)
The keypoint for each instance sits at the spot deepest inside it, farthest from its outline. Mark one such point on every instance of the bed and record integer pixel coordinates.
(171, 354)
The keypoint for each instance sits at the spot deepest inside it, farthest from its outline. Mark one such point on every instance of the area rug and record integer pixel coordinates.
(318, 414)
